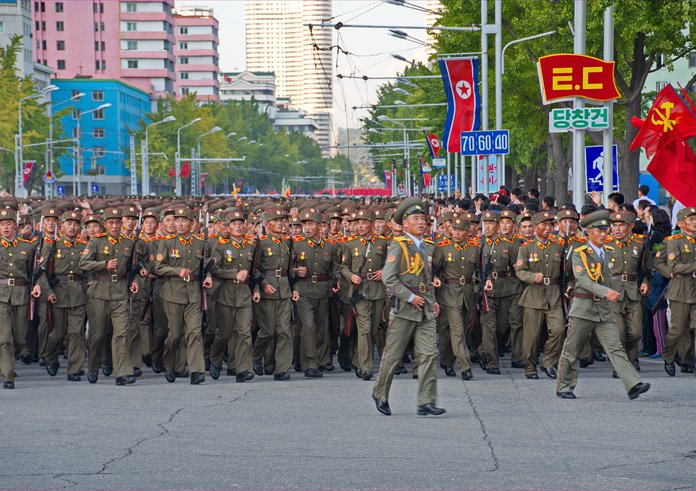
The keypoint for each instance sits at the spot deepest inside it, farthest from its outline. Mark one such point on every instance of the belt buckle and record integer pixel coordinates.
(278, 273)
(187, 278)
(547, 280)
(369, 276)
(596, 297)
(624, 277)
(10, 282)
(114, 278)
(422, 288)
(314, 278)
(71, 278)
(462, 281)
(494, 275)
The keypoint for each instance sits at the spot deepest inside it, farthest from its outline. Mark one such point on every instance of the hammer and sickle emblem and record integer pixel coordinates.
(664, 121)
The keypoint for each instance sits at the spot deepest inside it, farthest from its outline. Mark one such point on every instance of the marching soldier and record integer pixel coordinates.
(513, 331)
(67, 296)
(624, 265)
(539, 266)
(678, 262)
(233, 260)
(146, 291)
(178, 264)
(444, 343)
(456, 263)
(314, 260)
(16, 263)
(131, 225)
(592, 310)
(408, 276)
(218, 233)
(107, 255)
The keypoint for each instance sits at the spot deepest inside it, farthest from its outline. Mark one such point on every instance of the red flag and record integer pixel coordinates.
(185, 170)
(667, 113)
(674, 166)
(172, 173)
(227, 78)
(388, 179)
(433, 143)
(27, 171)
(425, 172)
(460, 78)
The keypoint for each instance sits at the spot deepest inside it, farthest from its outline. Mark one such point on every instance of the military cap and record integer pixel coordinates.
(623, 216)
(130, 211)
(490, 216)
(71, 215)
(8, 214)
(365, 215)
(274, 213)
(409, 206)
(51, 212)
(541, 217)
(596, 219)
(310, 215)
(185, 212)
(347, 210)
(113, 213)
(685, 212)
(472, 217)
(166, 212)
(294, 220)
(566, 213)
(388, 215)
(92, 218)
(509, 214)
(151, 213)
(235, 215)
(525, 215)
(459, 221)
(446, 215)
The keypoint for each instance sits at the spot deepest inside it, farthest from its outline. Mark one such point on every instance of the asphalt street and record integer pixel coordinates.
(499, 432)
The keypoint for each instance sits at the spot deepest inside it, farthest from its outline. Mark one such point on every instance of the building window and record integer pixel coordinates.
(185, 91)
(183, 60)
(98, 152)
(75, 114)
(99, 46)
(692, 59)
(96, 64)
(184, 75)
(98, 115)
(98, 8)
(183, 30)
(131, 7)
(660, 85)
(98, 132)
(131, 26)
(132, 63)
(2, 26)
(43, 6)
(43, 45)
(60, 45)
(97, 95)
(60, 64)
(60, 26)
(183, 45)
(59, 6)
(74, 92)
(132, 45)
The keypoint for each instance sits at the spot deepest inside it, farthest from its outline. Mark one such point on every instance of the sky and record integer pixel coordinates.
(370, 49)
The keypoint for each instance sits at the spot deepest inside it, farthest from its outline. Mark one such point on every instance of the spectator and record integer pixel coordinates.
(548, 203)
(643, 191)
(533, 193)
(615, 200)
(676, 208)
(531, 205)
(515, 196)
(655, 319)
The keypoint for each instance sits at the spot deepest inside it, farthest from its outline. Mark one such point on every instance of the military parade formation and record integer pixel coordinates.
(268, 286)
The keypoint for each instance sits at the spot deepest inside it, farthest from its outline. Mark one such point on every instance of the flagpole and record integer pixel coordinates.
(449, 172)
(608, 133)
(455, 164)
(579, 103)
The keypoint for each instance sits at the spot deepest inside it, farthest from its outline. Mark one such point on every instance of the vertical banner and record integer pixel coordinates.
(388, 179)
(460, 78)
(27, 171)
(433, 143)
(425, 172)
(487, 182)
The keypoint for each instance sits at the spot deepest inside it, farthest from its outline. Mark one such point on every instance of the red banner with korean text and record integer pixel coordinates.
(565, 76)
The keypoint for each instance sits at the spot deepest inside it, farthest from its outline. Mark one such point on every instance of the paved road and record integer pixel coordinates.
(499, 432)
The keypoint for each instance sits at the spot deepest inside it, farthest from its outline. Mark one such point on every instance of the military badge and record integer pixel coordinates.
(106, 250)
(671, 256)
(160, 257)
(391, 259)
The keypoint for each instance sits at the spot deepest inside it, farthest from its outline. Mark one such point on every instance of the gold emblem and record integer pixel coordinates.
(391, 259)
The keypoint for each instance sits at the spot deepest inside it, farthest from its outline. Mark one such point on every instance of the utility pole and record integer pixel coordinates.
(578, 103)
(608, 133)
(133, 168)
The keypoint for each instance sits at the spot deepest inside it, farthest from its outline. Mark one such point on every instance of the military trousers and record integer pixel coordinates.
(105, 315)
(455, 317)
(683, 321)
(399, 334)
(368, 318)
(629, 321)
(607, 334)
(444, 341)
(533, 324)
(135, 351)
(493, 326)
(184, 327)
(13, 327)
(237, 321)
(313, 316)
(346, 344)
(274, 325)
(515, 320)
(68, 326)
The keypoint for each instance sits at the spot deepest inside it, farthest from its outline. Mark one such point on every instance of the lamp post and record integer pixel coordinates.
(196, 176)
(49, 149)
(77, 173)
(177, 168)
(145, 187)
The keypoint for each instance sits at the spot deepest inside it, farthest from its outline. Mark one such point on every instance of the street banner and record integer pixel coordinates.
(460, 79)
(185, 170)
(433, 143)
(564, 76)
(425, 173)
(27, 171)
(388, 179)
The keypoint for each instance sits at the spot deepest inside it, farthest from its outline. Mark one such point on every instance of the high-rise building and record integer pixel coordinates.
(15, 20)
(432, 14)
(196, 51)
(301, 58)
(108, 39)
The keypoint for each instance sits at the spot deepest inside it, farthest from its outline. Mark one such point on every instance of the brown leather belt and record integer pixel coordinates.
(276, 273)
(191, 277)
(684, 275)
(501, 274)
(459, 281)
(421, 288)
(587, 296)
(236, 282)
(316, 278)
(69, 278)
(113, 278)
(624, 277)
(13, 282)
(369, 277)
(549, 281)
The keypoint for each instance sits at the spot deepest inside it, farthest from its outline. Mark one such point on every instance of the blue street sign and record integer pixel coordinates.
(442, 183)
(594, 169)
(496, 142)
(95, 188)
(60, 190)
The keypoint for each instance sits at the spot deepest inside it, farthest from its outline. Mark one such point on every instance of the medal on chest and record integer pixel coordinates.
(533, 257)
(302, 256)
(106, 250)
(228, 253)
(356, 252)
(449, 257)
(175, 253)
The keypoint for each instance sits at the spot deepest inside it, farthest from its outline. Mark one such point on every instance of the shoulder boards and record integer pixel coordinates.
(444, 242)
(24, 240)
(343, 239)
(167, 237)
(608, 239)
(33, 239)
(330, 240)
(608, 247)
(677, 236)
(298, 238)
(556, 241)
(222, 240)
(527, 242)
(475, 241)
(581, 248)
(505, 239)
(98, 235)
(428, 241)
(637, 236)
(582, 240)
(263, 237)
(48, 240)
(80, 241)
(401, 239)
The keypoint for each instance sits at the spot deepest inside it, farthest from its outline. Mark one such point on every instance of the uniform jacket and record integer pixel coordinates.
(70, 291)
(458, 263)
(321, 259)
(625, 260)
(504, 258)
(353, 256)
(535, 257)
(677, 261)
(591, 278)
(16, 261)
(174, 254)
(272, 257)
(231, 257)
(107, 284)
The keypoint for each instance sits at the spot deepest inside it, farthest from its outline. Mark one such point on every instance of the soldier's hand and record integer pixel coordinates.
(256, 297)
(488, 287)
(208, 282)
(437, 309)
(184, 273)
(242, 275)
(436, 282)
(143, 272)
(418, 302)
(612, 296)
(377, 275)
(568, 293)
(301, 271)
(134, 288)
(112, 264)
(269, 290)
(295, 296)
(336, 289)
(36, 291)
(52, 298)
(355, 279)
(539, 277)
(644, 289)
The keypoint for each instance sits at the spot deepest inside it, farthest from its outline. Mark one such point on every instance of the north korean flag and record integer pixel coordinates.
(433, 143)
(460, 78)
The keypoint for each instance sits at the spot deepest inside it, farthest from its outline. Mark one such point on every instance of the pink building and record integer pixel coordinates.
(196, 51)
(115, 39)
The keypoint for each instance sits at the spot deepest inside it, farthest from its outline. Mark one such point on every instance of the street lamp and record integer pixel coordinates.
(145, 157)
(77, 173)
(196, 174)
(177, 168)
(49, 149)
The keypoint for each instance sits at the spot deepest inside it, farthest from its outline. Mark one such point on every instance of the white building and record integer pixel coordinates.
(277, 41)
(294, 121)
(245, 86)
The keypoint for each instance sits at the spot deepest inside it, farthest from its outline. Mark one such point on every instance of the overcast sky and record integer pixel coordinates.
(371, 48)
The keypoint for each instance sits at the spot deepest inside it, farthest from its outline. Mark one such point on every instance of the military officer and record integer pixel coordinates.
(408, 276)
(512, 336)
(178, 264)
(107, 255)
(539, 267)
(67, 296)
(678, 262)
(233, 259)
(592, 310)
(16, 263)
(455, 261)
(145, 319)
(217, 233)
